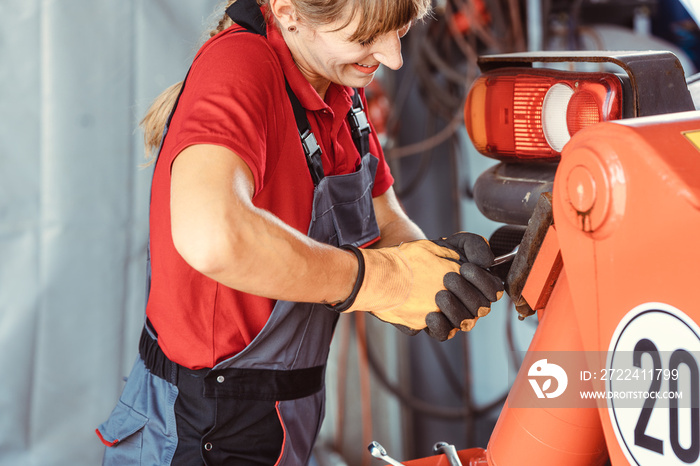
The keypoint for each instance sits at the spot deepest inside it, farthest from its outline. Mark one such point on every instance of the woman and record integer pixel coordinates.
(251, 224)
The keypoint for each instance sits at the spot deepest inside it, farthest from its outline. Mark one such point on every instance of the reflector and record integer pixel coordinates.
(530, 114)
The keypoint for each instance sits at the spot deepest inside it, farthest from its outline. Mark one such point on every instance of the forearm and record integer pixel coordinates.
(265, 257)
(299, 268)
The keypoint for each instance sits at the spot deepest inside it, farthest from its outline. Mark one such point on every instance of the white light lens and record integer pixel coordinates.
(554, 106)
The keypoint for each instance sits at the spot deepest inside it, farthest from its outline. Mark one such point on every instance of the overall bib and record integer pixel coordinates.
(264, 405)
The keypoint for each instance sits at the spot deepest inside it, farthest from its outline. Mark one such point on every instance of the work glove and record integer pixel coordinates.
(399, 284)
(469, 292)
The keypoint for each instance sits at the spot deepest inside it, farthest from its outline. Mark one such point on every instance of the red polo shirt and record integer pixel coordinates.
(235, 97)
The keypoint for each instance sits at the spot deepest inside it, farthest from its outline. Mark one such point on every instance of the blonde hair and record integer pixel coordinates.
(377, 17)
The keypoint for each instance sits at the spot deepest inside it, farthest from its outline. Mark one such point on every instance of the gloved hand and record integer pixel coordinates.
(470, 292)
(399, 284)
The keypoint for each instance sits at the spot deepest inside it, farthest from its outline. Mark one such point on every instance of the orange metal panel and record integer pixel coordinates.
(569, 436)
(627, 215)
(544, 273)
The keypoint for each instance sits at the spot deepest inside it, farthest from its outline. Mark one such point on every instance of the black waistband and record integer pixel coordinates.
(244, 384)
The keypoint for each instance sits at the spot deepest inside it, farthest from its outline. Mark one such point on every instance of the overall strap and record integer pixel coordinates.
(359, 124)
(312, 150)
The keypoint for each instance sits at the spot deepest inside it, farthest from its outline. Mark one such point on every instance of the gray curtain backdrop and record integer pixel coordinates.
(75, 78)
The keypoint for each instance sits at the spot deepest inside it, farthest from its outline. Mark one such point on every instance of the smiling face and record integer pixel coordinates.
(332, 53)
(329, 55)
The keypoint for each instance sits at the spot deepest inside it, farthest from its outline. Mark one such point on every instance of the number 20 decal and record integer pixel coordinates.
(656, 418)
(678, 357)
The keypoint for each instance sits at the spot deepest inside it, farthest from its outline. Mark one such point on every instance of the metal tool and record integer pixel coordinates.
(505, 257)
(449, 451)
(378, 451)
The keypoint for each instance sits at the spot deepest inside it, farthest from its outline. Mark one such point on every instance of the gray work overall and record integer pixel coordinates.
(264, 405)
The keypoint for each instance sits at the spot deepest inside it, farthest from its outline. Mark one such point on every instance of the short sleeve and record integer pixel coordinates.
(225, 98)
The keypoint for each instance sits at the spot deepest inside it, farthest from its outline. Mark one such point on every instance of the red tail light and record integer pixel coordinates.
(530, 114)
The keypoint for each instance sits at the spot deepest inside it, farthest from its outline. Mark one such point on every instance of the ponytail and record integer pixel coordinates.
(156, 117)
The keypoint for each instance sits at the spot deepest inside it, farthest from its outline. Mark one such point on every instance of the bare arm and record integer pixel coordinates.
(219, 232)
(394, 224)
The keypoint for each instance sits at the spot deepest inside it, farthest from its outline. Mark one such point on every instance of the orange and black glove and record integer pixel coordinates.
(399, 285)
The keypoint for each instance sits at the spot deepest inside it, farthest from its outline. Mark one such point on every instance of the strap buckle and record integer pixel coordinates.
(311, 147)
(313, 156)
(358, 122)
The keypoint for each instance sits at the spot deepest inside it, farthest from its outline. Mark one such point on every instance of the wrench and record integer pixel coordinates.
(449, 451)
(505, 257)
(378, 451)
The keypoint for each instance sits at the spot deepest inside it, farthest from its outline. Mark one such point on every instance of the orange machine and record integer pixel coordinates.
(612, 373)
(626, 203)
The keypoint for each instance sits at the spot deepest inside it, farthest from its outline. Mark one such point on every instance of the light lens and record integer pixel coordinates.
(554, 110)
(531, 114)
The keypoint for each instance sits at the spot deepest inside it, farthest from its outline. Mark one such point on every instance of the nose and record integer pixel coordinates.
(387, 51)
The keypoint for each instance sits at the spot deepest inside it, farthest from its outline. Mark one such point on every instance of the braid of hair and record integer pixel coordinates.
(224, 22)
(155, 119)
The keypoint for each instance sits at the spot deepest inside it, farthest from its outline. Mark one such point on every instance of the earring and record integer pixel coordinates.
(292, 28)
